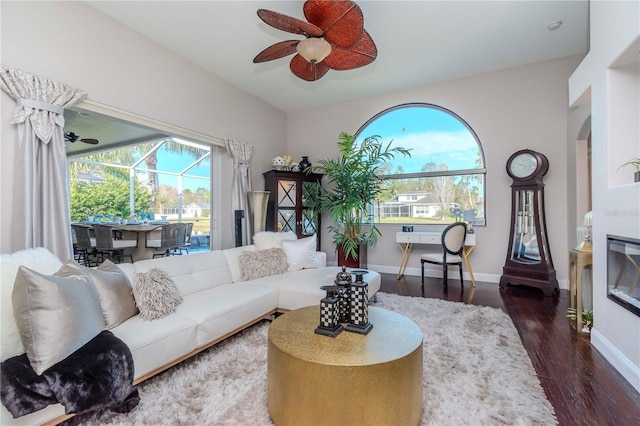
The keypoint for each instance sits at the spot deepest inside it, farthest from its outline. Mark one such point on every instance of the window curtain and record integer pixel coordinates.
(241, 153)
(40, 214)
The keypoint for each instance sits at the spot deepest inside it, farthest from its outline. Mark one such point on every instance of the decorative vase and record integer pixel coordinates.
(636, 176)
(304, 164)
(258, 210)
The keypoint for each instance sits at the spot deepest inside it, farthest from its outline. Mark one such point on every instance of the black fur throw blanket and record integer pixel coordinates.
(99, 375)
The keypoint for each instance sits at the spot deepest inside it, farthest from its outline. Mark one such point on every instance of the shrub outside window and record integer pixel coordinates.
(444, 179)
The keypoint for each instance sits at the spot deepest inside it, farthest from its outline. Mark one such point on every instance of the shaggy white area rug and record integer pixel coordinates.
(476, 372)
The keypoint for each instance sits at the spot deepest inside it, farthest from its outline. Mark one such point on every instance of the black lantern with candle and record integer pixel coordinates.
(330, 313)
(359, 305)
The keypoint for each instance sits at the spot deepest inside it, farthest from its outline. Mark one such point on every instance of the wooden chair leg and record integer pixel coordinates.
(445, 277)
(422, 264)
(461, 279)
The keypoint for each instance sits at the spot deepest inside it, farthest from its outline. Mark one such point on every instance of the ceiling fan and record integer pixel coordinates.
(335, 39)
(72, 137)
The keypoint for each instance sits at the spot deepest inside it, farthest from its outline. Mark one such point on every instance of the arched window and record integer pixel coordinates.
(443, 180)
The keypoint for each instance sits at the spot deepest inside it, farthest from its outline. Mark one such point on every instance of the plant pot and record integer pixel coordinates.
(360, 262)
(636, 176)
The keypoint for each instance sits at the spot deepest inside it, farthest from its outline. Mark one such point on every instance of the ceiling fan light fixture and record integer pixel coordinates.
(314, 49)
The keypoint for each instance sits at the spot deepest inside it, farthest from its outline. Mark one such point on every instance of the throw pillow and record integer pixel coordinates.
(39, 259)
(115, 292)
(56, 314)
(232, 255)
(266, 240)
(262, 263)
(301, 254)
(156, 294)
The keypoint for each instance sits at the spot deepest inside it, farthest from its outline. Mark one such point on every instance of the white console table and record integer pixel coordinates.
(406, 240)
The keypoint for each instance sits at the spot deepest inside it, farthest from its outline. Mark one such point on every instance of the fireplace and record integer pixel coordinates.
(623, 272)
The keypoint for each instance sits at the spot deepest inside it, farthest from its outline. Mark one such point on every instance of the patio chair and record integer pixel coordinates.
(110, 248)
(172, 236)
(187, 238)
(85, 246)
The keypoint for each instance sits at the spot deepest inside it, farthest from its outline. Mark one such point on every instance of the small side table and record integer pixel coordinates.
(578, 261)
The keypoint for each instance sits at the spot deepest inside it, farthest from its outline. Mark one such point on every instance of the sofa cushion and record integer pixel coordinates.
(56, 314)
(267, 239)
(157, 343)
(262, 263)
(192, 273)
(232, 255)
(227, 308)
(156, 294)
(115, 292)
(38, 259)
(301, 253)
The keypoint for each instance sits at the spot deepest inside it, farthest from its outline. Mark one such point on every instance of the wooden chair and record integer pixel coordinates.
(172, 237)
(85, 245)
(110, 248)
(453, 238)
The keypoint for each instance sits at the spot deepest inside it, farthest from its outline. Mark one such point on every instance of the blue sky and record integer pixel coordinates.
(432, 135)
(175, 163)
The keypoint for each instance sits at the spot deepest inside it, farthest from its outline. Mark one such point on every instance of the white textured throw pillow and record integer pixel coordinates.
(301, 254)
(156, 294)
(233, 260)
(262, 263)
(267, 239)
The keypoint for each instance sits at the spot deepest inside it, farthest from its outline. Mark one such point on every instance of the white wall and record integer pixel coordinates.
(615, 137)
(518, 108)
(75, 44)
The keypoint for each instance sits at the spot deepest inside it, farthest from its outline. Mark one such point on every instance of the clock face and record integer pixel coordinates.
(523, 165)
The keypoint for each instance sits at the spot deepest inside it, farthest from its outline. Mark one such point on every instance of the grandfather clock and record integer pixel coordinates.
(529, 260)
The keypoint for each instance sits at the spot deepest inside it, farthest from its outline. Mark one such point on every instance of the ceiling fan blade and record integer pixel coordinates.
(277, 51)
(307, 71)
(362, 53)
(90, 141)
(342, 21)
(288, 23)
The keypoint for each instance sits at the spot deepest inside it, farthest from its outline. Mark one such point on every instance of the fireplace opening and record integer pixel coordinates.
(623, 272)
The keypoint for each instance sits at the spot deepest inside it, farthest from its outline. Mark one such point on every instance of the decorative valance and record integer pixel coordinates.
(39, 99)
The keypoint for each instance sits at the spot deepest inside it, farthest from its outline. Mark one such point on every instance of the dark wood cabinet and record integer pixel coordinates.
(290, 197)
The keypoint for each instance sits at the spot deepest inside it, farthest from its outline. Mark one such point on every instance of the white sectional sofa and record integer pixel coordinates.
(216, 304)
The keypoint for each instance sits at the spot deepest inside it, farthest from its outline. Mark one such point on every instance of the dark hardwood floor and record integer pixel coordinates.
(582, 386)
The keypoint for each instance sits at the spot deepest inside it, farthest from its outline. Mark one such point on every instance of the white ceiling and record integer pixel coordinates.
(419, 43)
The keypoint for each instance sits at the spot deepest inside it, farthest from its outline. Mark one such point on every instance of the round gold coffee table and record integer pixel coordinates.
(352, 379)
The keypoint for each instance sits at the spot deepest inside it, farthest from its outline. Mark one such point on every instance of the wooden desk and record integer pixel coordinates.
(406, 240)
(578, 260)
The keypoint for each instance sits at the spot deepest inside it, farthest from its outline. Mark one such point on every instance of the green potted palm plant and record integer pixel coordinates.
(353, 181)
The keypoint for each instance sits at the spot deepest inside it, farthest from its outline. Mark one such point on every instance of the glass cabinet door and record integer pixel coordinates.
(525, 242)
(290, 206)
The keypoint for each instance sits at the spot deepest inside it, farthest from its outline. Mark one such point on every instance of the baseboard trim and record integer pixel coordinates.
(626, 368)
(430, 272)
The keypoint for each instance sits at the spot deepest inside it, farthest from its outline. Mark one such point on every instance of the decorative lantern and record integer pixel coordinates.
(359, 309)
(343, 282)
(330, 313)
